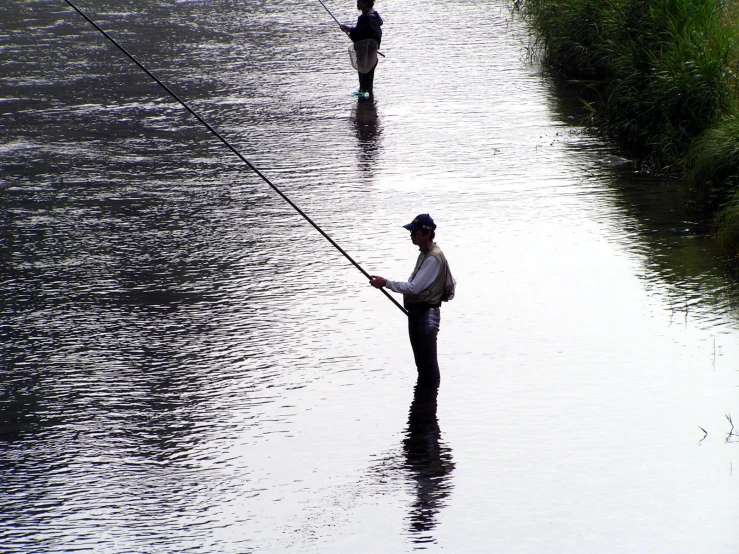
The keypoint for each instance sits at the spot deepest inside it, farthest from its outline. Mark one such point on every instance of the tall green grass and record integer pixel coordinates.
(662, 80)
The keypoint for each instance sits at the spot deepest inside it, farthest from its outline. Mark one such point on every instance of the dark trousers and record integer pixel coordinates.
(366, 80)
(423, 326)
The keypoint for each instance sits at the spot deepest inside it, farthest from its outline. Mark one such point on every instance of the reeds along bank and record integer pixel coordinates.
(662, 79)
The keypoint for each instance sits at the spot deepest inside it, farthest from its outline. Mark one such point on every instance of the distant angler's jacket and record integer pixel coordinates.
(369, 26)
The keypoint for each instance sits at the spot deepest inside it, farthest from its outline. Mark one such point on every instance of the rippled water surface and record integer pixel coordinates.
(188, 366)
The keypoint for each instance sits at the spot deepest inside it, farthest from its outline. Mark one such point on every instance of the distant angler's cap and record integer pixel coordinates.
(422, 221)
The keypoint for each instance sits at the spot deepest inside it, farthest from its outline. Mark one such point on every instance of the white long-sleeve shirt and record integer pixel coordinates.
(426, 275)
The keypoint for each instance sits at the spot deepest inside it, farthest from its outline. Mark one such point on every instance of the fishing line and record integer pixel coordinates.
(339, 24)
(233, 149)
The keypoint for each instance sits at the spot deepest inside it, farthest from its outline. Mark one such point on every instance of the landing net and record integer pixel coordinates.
(364, 55)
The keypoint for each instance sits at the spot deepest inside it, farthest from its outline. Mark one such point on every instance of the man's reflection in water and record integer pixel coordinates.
(368, 132)
(428, 461)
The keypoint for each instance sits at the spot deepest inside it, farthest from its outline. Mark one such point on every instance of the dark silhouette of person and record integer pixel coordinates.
(368, 27)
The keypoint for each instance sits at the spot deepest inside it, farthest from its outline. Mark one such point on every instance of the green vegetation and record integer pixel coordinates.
(660, 77)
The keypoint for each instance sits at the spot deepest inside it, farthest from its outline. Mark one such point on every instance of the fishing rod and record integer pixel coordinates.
(329, 13)
(339, 23)
(233, 149)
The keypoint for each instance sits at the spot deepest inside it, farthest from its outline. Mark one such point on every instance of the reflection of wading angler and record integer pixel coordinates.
(430, 284)
(429, 462)
(366, 36)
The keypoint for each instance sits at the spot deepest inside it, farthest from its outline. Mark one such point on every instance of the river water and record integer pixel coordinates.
(188, 366)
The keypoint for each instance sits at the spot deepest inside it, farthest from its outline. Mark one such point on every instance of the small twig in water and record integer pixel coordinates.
(732, 433)
(705, 433)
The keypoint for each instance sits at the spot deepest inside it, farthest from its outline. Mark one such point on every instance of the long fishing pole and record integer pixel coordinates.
(329, 13)
(338, 23)
(230, 147)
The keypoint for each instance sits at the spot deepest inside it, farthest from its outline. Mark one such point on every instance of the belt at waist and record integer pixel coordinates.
(419, 307)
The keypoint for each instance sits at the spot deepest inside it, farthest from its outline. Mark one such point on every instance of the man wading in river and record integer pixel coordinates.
(368, 27)
(430, 284)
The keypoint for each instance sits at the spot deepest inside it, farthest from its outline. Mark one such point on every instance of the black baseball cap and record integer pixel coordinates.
(422, 221)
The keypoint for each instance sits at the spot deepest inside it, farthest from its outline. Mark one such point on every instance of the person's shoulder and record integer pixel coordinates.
(436, 252)
(433, 254)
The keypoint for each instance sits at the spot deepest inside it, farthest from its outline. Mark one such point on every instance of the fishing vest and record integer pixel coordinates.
(430, 297)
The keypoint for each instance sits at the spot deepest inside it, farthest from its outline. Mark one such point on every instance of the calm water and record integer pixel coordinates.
(187, 366)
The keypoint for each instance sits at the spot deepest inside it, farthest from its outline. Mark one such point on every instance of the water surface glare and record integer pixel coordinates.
(187, 366)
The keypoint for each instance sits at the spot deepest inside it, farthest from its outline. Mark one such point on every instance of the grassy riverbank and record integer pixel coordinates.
(660, 77)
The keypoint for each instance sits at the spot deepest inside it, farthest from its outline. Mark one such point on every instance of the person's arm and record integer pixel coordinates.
(351, 31)
(361, 30)
(426, 275)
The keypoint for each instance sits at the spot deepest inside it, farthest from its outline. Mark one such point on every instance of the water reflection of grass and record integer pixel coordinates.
(661, 77)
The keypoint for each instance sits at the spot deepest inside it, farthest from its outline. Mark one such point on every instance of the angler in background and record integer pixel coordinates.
(368, 28)
(430, 284)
